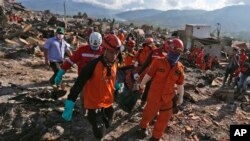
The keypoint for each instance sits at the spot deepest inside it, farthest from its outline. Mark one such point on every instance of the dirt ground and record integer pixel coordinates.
(28, 111)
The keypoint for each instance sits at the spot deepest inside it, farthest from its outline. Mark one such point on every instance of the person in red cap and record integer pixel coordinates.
(129, 53)
(165, 73)
(97, 81)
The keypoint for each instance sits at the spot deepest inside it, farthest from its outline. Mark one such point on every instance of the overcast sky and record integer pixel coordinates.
(160, 4)
(165, 4)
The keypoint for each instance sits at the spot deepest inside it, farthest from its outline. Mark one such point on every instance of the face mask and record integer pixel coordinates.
(60, 36)
(173, 58)
(95, 48)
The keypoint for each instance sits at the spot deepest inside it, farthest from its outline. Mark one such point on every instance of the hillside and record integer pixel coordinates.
(132, 15)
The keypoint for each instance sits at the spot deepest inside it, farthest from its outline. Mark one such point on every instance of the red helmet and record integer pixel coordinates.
(130, 43)
(174, 45)
(149, 40)
(111, 41)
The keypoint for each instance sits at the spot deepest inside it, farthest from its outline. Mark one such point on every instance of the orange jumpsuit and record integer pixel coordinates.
(161, 93)
(121, 36)
(209, 62)
(97, 87)
(199, 59)
(129, 56)
(142, 55)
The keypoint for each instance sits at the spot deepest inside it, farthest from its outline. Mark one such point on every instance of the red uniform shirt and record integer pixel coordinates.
(81, 57)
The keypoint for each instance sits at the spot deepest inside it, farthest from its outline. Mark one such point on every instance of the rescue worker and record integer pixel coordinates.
(200, 58)
(244, 73)
(142, 54)
(142, 60)
(97, 81)
(82, 56)
(233, 64)
(209, 62)
(156, 53)
(129, 53)
(243, 57)
(54, 50)
(121, 35)
(165, 73)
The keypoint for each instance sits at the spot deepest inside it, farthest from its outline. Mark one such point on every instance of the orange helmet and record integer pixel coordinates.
(111, 41)
(149, 40)
(130, 43)
(175, 45)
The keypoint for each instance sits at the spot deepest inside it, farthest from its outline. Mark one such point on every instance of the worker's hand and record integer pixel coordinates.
(180, 91)
(141, 88)
(136, 76)
(59, 76)
(119, 87)
(68, 110)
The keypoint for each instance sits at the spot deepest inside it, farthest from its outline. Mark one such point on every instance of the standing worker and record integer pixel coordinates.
(97, 81)
(54, 50)
(82, 55)
(165, 73)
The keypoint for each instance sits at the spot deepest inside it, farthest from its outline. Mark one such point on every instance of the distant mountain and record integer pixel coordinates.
(232, 18)
(173, 18)
(72, 7)
(135, 14)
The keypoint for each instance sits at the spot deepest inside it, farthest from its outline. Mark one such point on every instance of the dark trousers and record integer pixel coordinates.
(229, 73)
(145, 93)
(56, 66)
(100, 119)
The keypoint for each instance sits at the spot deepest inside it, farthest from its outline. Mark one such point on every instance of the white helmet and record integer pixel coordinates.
(95, 40)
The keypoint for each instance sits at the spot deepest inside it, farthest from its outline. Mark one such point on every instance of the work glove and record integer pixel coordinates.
(58, 77)
(180, 91)
(180, 99)
(119, 87)
(68, 110)
(136, 64)
(136, 76)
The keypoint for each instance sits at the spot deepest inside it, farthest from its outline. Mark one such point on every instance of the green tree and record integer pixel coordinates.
(84, 15)
(79, 14)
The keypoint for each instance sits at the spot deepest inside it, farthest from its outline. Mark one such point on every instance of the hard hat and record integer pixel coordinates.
(149, 40)
(111, 41)
(175, 45)
(130, 43)
(95, 39)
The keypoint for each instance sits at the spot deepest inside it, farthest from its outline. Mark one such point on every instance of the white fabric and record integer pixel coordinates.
(90, 55)
(180, 91)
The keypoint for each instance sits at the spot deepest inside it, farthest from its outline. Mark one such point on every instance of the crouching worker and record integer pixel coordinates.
(97, 81)
(165, 73)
